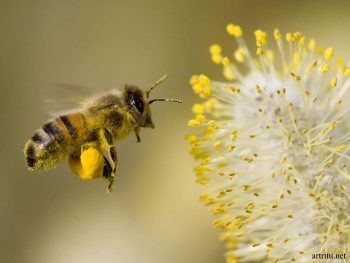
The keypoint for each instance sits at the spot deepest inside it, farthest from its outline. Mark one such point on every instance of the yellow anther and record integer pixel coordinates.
(277, 34)
(325, 68)
(283, 159)
(234, 30)
(211, 124)
(247, 159)
(231, 148)
(198, 108)
(279, 120)
(206, 92)
(306, 93)
(252, 136)
(258, 89)
(194, 80)
(256, 244)
(296, 59)
(191, 138)
(210, 104)
(296, 77)
(290, 216)
(203, 79)
(328, 53)
(340, 148)
(215, 49)
(259, 51)
(333, 82)
(234, 135)
(339, 101)
(297, 36)
(218, 144)
(225, 61)
(340, 63)
(239, 55)
(235, 89)
(261, 37)
(228, 73)
(312, 44)
(270, 55)
(290, 37)
(194, 123)
(347, 72)
(216, 58)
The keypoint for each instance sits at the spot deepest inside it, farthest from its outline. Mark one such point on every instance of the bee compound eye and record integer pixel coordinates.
(138, 104)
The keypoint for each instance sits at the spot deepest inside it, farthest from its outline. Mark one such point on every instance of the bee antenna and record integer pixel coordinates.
(166, 100)
(156, 84)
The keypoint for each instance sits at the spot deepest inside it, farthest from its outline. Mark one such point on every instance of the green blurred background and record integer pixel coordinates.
(154, 214)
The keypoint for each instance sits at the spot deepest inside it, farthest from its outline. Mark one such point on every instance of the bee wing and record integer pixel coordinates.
(66, 98)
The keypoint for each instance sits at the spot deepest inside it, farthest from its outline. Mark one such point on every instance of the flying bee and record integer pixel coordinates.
(86, 136)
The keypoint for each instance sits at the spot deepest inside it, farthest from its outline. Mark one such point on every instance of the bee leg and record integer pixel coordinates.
(89, 163)
(106, 144)
(108, 174)
(137, 133)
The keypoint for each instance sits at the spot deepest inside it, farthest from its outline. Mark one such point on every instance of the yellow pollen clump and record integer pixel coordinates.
(235, 89)
(234, 30)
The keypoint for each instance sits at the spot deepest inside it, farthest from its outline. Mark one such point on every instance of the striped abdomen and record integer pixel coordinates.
(54, 141)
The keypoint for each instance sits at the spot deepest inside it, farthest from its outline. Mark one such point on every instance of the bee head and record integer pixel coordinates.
(138, 107)
(138, 103)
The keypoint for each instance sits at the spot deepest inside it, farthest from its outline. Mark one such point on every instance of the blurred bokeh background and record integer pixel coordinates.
(154, 214)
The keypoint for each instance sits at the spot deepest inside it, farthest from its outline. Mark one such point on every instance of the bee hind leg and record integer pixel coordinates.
(106, 144)
(89, 163)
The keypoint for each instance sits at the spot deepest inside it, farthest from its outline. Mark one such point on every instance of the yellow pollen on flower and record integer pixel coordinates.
(215, 49)
(239, 55)
(333, 82)
(234, 30)
(225, 61)
(325, 68)
(216, 59)
(228, 73)
(198, 108)
(290, 37)
(259, 51)
(328, 53)
(312, 44)
(234, 135)
(277, 34)
(261, 38)
(235, 89)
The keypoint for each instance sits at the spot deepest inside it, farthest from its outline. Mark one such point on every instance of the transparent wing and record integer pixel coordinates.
(64, 98)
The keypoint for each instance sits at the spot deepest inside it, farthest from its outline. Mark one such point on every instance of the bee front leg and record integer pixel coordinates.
(137, 133)
(110, 168)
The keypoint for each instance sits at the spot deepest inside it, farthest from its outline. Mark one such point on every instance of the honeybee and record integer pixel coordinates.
(86, 136)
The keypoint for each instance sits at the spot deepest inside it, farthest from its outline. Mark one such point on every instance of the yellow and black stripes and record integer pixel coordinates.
(47, 146)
